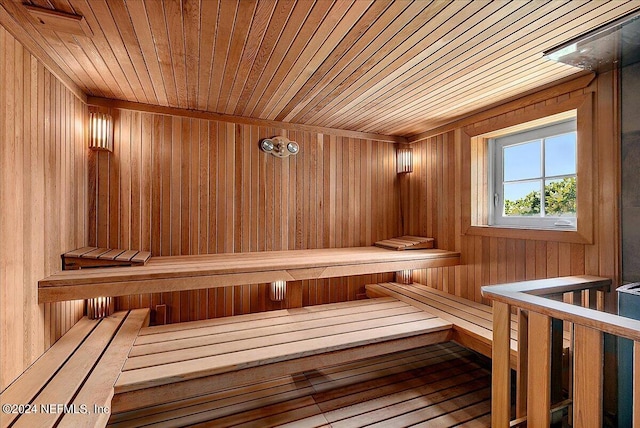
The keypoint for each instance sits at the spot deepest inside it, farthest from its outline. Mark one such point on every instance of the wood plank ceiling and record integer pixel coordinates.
(387, 67)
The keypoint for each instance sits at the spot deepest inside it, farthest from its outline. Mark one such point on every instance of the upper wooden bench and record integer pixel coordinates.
(174, 273)
(178, 361)
(103, 257)
(71, 385)
(472, 321)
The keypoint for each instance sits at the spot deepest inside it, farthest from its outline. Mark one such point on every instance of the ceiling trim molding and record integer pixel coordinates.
(524, 100)
(24, 37)
(198, 114)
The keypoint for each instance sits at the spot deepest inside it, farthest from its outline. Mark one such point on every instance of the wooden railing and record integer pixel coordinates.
(540, 304)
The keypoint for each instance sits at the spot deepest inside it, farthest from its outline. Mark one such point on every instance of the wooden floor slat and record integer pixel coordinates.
(246, 397)
(444, 384)
(437, 404)
(347, 375)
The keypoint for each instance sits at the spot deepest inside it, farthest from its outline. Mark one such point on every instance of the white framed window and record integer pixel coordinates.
(533, 178)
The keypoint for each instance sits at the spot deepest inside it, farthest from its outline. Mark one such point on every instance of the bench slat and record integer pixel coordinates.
(481, 334)
(472, 321)
(80, 251)
(292, 339)
(170, 373)
(301, 329)
(98, 389)
(478, 313)
(141, 257)
(111, 255)
(406, 243)
(127, 255)
(307, 311)
(23, 389)
(229, 325)
(66, 381)
(95, 253)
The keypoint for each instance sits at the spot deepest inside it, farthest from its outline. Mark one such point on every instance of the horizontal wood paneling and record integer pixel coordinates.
(434, 207)
(178, 185)
(383, 66)
(43, 170)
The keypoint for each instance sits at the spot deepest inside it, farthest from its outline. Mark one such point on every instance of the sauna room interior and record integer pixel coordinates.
(319, 213)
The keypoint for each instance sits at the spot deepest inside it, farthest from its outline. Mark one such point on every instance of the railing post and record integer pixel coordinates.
(523, 363)
(636, 383)
(539, 380)
(587, 381)
(501, 368)
(570, 298)
(557, 346)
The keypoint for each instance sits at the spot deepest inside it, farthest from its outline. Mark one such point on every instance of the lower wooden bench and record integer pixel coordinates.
(71, 385)
(472, 322)
(180, 361)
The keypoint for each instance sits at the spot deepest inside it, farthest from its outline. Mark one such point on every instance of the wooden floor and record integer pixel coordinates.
(442, 385)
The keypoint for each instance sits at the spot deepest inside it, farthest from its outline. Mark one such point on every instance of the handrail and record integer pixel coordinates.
(550, 286)
(522, 295)
(535, 385)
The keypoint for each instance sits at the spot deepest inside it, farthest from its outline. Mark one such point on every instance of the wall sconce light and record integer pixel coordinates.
(405, 160)
(99, 307)
(278, 290)
(100, 131)
(279, 146)
(404, 277)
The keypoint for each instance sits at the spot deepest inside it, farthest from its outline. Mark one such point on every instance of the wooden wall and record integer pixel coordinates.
(179, 185)
(431, 196)
(43, 202)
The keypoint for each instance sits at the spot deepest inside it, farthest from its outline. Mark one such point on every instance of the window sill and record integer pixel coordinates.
(570, 236)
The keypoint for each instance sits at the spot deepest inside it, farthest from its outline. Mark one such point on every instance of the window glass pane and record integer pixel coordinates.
(522, 199)
(560, 197)
(522, 161)
(560, 155)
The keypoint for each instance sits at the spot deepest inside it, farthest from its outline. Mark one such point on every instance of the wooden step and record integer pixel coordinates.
(243, 349)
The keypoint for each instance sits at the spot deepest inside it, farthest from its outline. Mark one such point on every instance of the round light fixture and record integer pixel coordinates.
(293, 147)
(267, 145)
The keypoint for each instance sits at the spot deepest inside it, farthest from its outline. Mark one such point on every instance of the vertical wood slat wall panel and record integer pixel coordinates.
(43, 170)
(435, 209)
(177, 185)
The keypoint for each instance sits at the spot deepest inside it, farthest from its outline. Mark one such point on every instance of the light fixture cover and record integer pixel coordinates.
(278, 290)
(267, 145)
(100, 131)
(404, 277)
(99, 307)
(405, 160)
